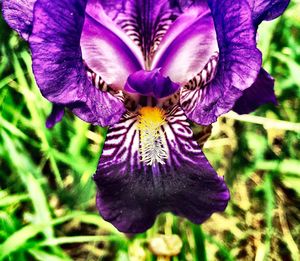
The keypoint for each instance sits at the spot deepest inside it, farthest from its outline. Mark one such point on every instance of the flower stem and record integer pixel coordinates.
(199, 238)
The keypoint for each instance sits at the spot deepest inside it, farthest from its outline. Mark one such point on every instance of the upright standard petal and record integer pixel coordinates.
(144, 21)
(261, 92)
(187, 45)
(58, 66)
(19, 14)
(106, 54)
(146, 169)
(238, 66)
(267, 9)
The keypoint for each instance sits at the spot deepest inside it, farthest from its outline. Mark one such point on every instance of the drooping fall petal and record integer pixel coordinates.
(131, 192)
(19, 15)
(57, 62)
(238, 65)
(261, 92)
(267, 9)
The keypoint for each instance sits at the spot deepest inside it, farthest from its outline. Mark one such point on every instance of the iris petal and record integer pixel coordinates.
(131, 193)
(261, 92)
(106, 54)
(145, 21)
(239, 60)
(19, 15)
(187, 45)
(56, 115)
(106, 49)
(150, 84)
(58, 66)
(267, 9)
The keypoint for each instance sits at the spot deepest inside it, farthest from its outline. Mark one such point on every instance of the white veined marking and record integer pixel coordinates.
(153, 147)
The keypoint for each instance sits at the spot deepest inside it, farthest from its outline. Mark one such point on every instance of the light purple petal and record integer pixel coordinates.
(58, 65)
(107, 50)
(267, 9)
(261, 92)
(19, 14)
(131, 193)
(239, 61)
(187, 45)
(145, 21)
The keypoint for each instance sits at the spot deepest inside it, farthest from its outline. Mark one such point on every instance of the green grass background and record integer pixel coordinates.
(47, 196)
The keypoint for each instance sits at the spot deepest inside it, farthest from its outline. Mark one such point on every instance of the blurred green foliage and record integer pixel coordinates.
(47, 208)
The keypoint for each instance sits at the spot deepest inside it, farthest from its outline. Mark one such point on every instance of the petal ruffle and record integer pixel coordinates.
(239, 61)
(267, 9)
(261, 92)
(19, 14)
(131, 193)
(58, 65)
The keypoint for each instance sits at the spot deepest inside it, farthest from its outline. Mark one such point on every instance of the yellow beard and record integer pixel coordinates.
(152, 141)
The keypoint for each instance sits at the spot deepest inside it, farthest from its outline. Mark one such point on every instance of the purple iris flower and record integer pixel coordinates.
(147, 69)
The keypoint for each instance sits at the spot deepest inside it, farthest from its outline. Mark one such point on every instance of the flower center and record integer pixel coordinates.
(152, 139)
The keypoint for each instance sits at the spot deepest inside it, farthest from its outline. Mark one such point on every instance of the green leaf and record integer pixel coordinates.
(19, 239)
(25, 168)
(14, 199)
(44, 256)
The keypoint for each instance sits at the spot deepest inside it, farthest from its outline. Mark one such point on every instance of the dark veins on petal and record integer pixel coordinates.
(144, 21)
(58, 66)
(131, 193)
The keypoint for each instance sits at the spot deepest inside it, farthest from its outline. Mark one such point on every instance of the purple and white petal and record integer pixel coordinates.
(19, 14)
(261, 92)
(239, 61)
(144, 21)
(106, 49)
(57, 62)
(188, 45)
(267, 9)
(175, 176)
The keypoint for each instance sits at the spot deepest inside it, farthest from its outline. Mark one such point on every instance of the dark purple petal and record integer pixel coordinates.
(131, 193)
(56, 115)
(19, 14)
(58, 65)
(261, 92)
(187, 45)
(239, 61)
(107, 50)
(150, 83)
(267, 9)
